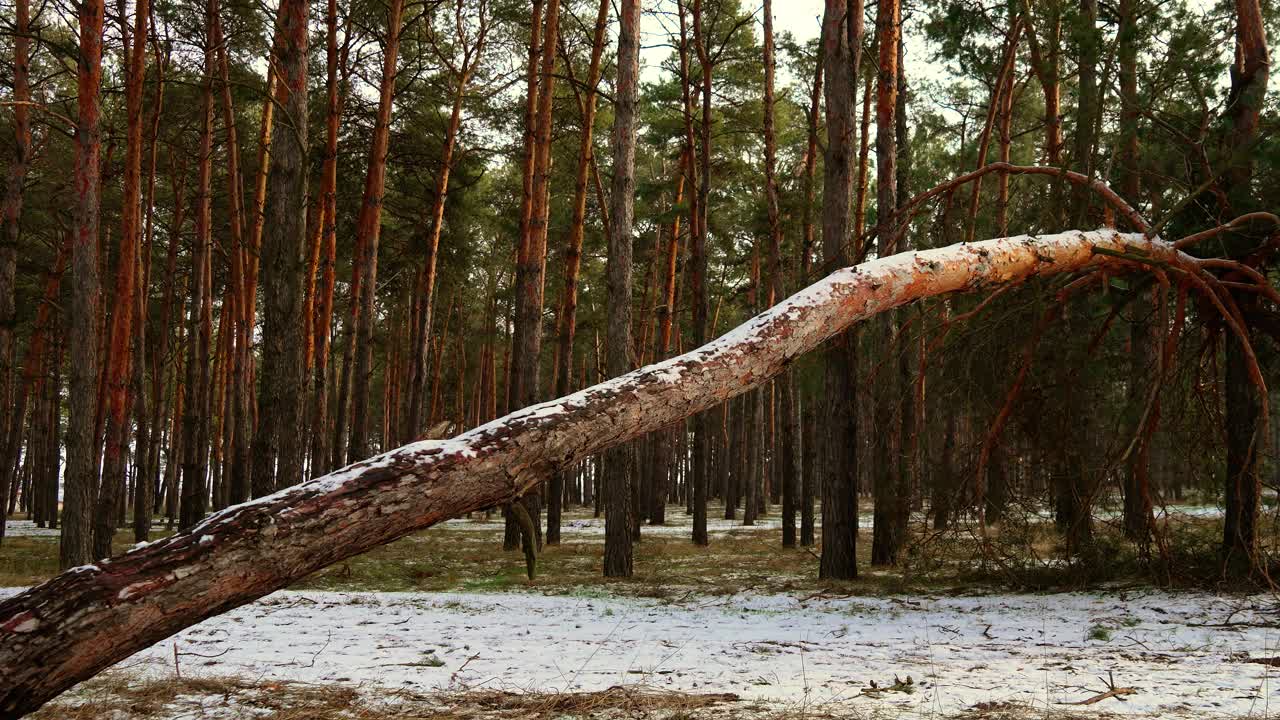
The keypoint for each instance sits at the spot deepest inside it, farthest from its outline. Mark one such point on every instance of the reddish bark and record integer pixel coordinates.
(368, 232)
(10, 215)
(323, 318)
(461, 71)
(119, 355)
(195, 418)
(567, 319)
(80, 494)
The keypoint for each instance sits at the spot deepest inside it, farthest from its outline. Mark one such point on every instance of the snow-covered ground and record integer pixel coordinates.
(1181, 653)
(26, 528)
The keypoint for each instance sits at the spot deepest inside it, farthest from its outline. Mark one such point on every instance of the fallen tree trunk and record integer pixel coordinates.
(66, 630)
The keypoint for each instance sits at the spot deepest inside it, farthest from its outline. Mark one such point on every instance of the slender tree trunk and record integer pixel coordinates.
(167, 313)
(1246, 423)
(621, 459)
(236, 431)
(80, 494)
(194, 492)
(321, 461)
(368, 231)
(567, 321)
(111, 496)
(146, 431)
(10, 225)
(532, 251)
(1006, 144)
(427, 279)
(662, 461)
(277, 445)
(887, 537)
(911, 424)
(1144, 333)
(246, 407)
(698, 255)
(864, 167)
(813, 441)
(789, 473)
(842, 29)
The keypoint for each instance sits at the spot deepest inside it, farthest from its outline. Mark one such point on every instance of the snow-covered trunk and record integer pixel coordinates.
(66, 630)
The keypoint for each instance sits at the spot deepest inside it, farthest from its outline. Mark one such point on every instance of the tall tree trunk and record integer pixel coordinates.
(247, 408)
(236, 431)
(567, 321)
(621, 459)
(195, 419)
(789, 472)
(80, 493)
(461, 74)
(698, 255)
(532, 252)
(842, 29)
(1006, 144)
(813, 440)
(119, 357)
(147, 431)
(277, 445)
(321, 461)
(1246, 424)
(887, 537)
(368, 231)
(910, 426)
(168, 299)
(662, 461)
(1144, 333)
(10, 226)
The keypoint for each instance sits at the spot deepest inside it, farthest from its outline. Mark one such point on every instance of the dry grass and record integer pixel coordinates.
(118, 695)
(454, 557)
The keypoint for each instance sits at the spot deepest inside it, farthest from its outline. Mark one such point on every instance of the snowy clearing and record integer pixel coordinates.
(1182, 654)
(26, 528)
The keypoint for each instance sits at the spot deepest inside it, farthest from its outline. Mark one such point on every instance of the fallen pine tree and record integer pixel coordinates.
(66, 630)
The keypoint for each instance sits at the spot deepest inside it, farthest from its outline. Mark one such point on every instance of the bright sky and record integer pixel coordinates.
(801, 18)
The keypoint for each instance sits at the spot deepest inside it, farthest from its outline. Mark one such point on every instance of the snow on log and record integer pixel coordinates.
(88, 618)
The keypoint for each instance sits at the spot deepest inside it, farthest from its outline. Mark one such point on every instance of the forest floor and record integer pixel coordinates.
(443, 624)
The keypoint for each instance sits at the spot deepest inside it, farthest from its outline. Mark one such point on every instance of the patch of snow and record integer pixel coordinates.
(27, 528)
(1040, 650)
